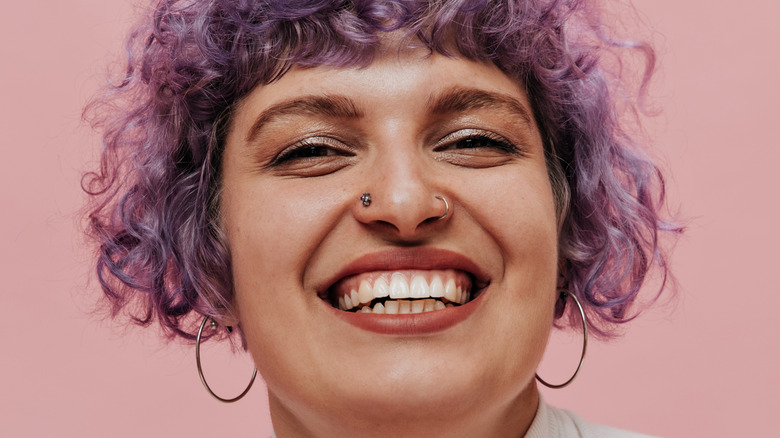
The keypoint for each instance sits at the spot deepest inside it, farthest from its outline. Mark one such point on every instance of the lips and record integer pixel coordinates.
(405, 281)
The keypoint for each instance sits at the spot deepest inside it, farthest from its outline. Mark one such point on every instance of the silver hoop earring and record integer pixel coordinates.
(564, 294)
(446, 207)
(200, 369)
(366, 199)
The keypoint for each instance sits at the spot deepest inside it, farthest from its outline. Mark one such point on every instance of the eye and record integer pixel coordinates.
(484, 141)
(476, 142)
(476, 148)
(312, 157)
(466, 139)
(306, 151)
(312, 149)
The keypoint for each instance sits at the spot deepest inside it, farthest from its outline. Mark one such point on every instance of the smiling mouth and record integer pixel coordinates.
(402, 292)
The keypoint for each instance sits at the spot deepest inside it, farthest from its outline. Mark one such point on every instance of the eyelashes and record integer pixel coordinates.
(470, 139)
(305, 152)
(466, 148)
(312, 149)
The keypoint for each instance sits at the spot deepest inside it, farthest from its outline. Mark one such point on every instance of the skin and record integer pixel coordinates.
(293, 224)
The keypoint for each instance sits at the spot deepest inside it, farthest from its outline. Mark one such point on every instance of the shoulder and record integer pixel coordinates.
(560, 423)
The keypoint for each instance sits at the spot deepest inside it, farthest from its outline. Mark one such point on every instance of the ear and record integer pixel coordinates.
(226, 318)
(562, 270)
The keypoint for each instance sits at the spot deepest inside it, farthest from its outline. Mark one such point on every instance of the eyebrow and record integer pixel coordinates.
(453, 100)
(460, 99)
(329, 105)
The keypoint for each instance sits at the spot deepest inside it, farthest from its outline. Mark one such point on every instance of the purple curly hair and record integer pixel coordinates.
(162, 254)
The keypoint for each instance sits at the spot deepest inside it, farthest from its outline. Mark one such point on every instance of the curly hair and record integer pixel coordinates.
(155, 197)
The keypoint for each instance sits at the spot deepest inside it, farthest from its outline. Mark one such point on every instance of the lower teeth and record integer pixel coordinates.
(400, 307)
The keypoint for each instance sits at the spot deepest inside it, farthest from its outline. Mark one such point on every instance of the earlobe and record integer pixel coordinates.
(227, 319)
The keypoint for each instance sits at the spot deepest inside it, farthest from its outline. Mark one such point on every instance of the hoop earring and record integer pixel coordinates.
(200, 369)
(564, 294)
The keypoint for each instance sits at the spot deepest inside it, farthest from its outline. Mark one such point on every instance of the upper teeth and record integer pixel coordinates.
(400, 287)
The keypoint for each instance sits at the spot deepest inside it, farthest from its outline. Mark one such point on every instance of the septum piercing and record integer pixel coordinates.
(446, 207)
(366, 198)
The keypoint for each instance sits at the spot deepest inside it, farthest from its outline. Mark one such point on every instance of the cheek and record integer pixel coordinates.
(273, 229)
(519, 215)
(266, 253)
(272, 225)
(517, 208)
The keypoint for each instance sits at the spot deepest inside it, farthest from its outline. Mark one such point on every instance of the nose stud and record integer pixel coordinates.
(366, 199)
(446, 207)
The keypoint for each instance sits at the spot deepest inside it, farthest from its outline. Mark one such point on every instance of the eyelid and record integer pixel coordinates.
(464, 134)
(316, 141)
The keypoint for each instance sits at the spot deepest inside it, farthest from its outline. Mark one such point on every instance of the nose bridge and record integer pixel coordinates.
(402, 177)
(401, 188)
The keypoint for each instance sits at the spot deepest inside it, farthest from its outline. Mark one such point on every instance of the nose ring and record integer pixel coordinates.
(365, 198)
(446, 207)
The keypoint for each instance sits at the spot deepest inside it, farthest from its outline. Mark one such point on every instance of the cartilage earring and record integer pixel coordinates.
(366, 199)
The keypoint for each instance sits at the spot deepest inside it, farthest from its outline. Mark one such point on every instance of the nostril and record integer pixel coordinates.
(406, 213)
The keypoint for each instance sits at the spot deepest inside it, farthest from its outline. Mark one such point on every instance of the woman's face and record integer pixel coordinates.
(410, 127)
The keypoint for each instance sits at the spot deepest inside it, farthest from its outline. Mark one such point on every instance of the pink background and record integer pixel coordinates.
(705, 366)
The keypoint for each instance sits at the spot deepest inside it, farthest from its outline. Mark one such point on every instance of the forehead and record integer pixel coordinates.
(412, 79)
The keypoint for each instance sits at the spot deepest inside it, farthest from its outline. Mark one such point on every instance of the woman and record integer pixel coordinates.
(392, 202)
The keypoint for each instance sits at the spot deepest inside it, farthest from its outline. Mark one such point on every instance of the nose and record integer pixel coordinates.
(402, 200)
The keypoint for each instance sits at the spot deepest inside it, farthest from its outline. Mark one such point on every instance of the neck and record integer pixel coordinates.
(476, 417)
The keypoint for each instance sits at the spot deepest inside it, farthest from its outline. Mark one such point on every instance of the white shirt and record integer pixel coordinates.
(551, 422)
